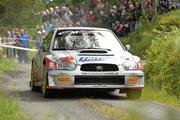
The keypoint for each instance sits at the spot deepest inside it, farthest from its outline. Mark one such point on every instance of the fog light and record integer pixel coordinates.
(133, 79)
(63, 79)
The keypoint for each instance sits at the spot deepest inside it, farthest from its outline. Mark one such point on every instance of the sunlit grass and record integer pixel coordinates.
(10, 110)
(159, 96)
(6, 65)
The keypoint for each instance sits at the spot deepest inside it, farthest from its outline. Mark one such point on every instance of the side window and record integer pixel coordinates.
(47, 41)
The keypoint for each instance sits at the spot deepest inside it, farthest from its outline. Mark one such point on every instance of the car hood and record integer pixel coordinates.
(93, 56)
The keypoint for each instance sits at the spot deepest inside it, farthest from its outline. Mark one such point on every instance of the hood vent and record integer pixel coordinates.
(93, 51)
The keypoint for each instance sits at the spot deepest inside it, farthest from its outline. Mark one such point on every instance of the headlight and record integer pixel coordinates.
(67, 65)
(132, 65)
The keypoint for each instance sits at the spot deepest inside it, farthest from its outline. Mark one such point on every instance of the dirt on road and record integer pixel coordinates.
(78, 104)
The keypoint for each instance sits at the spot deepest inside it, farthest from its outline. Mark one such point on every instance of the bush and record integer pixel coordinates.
(142, 38)
(162, 68)
(158, 43)
(6, 65)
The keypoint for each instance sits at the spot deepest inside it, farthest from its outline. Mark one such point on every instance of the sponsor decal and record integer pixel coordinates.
(91, 59)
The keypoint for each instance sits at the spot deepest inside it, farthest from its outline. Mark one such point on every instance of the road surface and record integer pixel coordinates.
(79, 105)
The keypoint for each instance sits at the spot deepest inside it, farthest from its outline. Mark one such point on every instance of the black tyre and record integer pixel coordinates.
(44, 90)
(134, 94)
(33, 87)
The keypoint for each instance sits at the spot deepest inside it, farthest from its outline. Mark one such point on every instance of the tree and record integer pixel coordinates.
(18, 13)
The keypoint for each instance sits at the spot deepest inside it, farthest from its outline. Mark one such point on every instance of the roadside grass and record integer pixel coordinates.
(110, 112)
(6, 65)
(10, 110)
(160, 96)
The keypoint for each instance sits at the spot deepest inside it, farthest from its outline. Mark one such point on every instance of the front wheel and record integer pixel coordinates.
(44, 89)
(33, 87)
(134, 94)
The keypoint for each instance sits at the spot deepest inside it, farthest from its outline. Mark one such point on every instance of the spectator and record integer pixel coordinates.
(38, 39)
(132, 20)
(23, 42)
(91, 19)
(100, 6)
(102, 19)
(118, 27)
(126, 12)
(112, 17)
(50, 26)
(10, 53)
(93, 3)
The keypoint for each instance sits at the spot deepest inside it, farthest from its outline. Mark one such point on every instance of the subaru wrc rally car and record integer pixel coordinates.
(86, 58)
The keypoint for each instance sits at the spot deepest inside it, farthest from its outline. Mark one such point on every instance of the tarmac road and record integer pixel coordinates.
(77, 104)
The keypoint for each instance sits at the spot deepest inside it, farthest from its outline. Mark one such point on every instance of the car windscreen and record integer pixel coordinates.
(85, 39)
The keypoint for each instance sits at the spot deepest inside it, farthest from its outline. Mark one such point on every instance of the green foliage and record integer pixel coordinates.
(6, 65)
(159, 44)
(157, 95)
(10, 109)
(162, 68)
(142, 38)
(19, 13)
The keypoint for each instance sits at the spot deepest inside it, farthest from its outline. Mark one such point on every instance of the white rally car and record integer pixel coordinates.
(81, 57)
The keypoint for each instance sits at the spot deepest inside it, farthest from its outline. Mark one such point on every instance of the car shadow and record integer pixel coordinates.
(70, 94)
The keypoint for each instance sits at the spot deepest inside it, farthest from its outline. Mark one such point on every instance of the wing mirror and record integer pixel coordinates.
(128, 47)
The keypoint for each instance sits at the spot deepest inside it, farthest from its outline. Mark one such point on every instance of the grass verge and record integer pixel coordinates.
(10, 110)
(6, 65)
(160, 96)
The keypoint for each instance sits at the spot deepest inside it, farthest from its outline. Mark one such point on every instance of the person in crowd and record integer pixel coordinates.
(102, 19)
(50, 26)
(9, 40)
(76, 15)
(127, 12)
(118, 27)
(100, 6)
(37, 38)
(112, 17)
(23, 42)
(15, 38)
(91, 19)
(125, 17)
(93, 3)
(68, 14)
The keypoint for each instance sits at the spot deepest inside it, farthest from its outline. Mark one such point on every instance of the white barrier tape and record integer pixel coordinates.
(20, 48)
(17, 39)
(8, 43)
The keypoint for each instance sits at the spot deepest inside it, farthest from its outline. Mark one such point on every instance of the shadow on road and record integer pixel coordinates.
(71, 94)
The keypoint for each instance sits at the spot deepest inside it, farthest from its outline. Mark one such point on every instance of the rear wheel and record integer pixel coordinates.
(134, 94)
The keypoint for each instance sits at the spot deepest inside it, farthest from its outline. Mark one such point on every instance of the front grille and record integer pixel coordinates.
(99, 67)
(99, 80)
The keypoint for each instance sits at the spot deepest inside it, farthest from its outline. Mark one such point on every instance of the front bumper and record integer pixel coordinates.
(59, 79)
